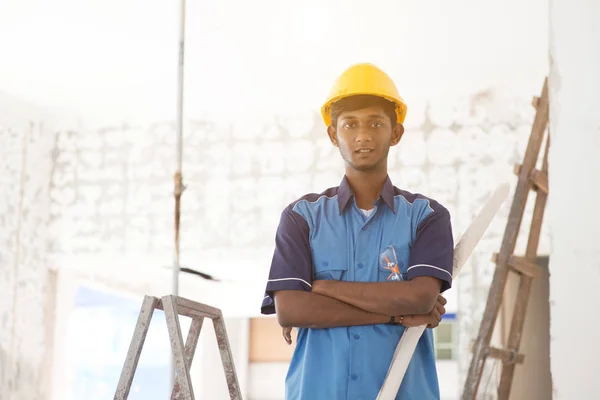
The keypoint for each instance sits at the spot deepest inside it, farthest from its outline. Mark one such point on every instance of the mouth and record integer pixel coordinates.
(364, 151)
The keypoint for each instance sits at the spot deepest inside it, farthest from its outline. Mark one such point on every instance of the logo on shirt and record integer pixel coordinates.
(389, 261)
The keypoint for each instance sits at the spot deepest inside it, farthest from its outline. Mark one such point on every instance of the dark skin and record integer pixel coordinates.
(364, 138)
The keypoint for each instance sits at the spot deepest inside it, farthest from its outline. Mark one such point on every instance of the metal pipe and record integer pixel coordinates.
(178, 178)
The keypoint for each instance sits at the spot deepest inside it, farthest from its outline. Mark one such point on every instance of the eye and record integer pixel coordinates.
(349, 125)
(376, 124)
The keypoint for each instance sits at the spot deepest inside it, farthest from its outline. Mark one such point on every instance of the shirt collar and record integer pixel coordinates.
(345, 194)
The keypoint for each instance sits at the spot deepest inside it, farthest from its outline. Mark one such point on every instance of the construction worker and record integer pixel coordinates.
(326, 278)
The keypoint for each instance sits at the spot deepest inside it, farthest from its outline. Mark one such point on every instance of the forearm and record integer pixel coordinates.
(387, 298)
(311, 310)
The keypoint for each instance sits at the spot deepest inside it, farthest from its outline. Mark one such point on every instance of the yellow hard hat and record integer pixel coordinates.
(364, 79)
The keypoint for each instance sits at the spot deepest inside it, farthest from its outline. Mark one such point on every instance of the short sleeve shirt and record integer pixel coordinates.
(326, 236)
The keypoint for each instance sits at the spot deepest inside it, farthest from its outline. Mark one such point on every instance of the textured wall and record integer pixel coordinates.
(26, 291)
(110, 192)
(112, 189)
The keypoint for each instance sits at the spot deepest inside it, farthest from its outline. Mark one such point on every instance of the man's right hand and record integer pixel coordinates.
(432, 320)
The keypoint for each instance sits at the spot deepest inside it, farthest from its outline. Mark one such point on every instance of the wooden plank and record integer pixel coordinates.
(525, 266)
(135, 347)
(190, 348)
(198, 307)
(227, 359)
(523, 294)
(193, 309)
(506, 356)
(185, 390)
(540, 180)
(509, 240)
(521, 265)
(517, 169)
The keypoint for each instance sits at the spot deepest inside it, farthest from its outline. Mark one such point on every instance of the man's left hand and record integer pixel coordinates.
(287, 335)
(432, 320)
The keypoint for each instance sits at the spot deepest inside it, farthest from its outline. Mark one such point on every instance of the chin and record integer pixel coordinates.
(363, 167)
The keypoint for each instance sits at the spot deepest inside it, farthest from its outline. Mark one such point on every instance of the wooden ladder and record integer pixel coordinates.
(173, 306)
(529, 179)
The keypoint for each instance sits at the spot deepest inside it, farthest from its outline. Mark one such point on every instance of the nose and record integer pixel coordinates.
(363, 135)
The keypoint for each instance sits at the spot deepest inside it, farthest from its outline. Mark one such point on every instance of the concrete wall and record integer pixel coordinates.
(574, 168)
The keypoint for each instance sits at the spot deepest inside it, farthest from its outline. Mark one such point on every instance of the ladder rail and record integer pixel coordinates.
(135, 347)
(182, 371)
(227, 358)
(190, 348)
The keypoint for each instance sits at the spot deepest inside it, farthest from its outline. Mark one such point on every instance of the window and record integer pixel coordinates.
(444, 337)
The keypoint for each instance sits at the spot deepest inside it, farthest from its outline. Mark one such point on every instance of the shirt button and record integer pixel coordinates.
(354, 377)
(325, 263)
(364, 228)
(360, 265)
(356, 337)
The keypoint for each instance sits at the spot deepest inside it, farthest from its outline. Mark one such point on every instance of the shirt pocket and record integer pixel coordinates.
(398, 255)
(330, 266)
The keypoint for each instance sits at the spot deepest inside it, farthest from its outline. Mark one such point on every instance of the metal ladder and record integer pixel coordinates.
(173, 306)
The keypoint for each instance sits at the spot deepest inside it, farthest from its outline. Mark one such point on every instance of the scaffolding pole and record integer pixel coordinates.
(178, 177)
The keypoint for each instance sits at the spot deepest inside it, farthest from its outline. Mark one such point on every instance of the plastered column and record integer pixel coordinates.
(574, 170)
(26, 287)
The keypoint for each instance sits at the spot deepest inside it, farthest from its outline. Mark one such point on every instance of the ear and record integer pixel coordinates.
(332, 133)
(397, 133)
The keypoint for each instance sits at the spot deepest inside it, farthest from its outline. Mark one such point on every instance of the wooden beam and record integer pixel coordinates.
(539, 179)
(521, 265)
(506, 356)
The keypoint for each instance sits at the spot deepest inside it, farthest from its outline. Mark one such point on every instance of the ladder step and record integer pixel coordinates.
(537, 177)
(540, 180)
(506, 356)
(521, 265)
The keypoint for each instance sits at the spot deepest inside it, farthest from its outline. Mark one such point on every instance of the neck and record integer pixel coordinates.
(366, 185)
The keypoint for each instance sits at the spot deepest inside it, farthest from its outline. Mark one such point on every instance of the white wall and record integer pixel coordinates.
(574, 168)
(253, 86)
(115, 61)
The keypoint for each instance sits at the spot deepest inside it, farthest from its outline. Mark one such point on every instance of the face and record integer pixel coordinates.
(364, 138)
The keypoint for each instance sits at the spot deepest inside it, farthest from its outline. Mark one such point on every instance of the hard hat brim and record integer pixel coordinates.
(401, 107)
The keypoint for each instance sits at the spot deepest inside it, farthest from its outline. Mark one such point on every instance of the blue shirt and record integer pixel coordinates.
(326, 236)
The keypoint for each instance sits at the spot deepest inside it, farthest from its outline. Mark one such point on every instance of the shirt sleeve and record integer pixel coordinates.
(291, 267)
(432, 252)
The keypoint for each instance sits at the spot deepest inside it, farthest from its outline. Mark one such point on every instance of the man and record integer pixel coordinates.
(326, 278)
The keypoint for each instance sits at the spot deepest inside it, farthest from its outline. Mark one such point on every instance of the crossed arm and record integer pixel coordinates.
(335, 303)
(301, 302)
